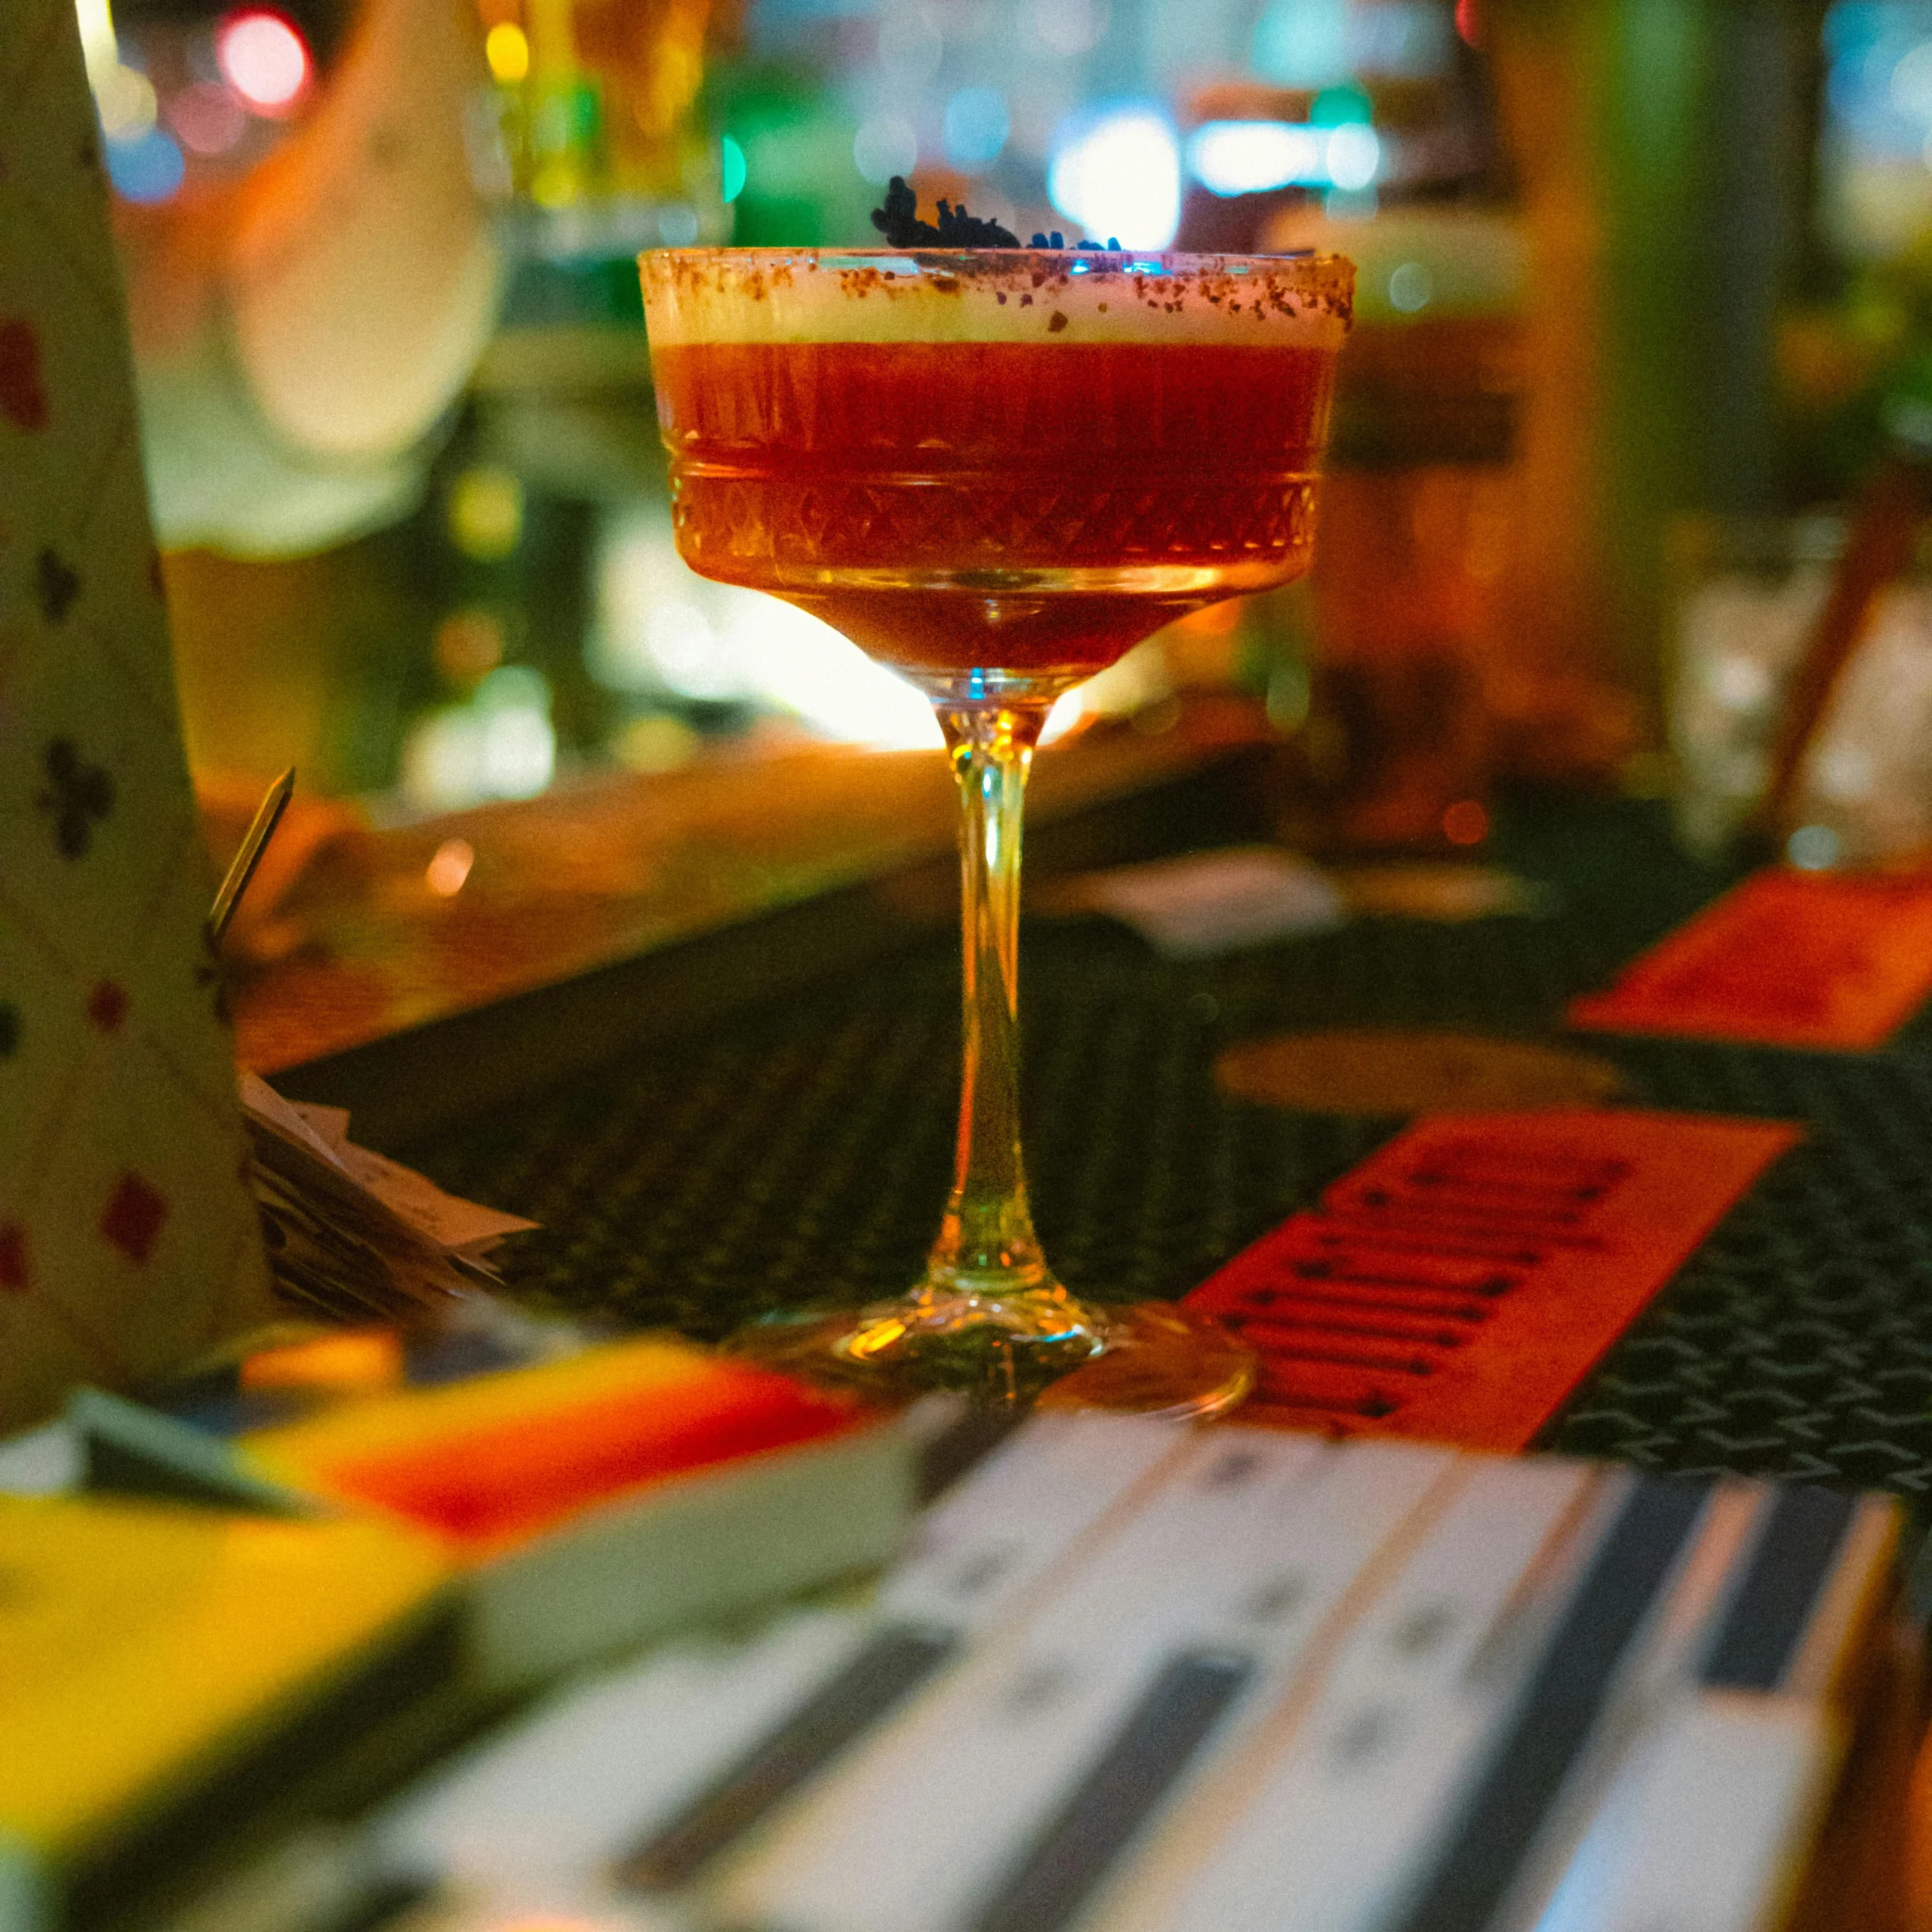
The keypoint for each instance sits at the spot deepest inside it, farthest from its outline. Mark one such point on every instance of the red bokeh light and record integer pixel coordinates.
(1465, 824)
(263, 58)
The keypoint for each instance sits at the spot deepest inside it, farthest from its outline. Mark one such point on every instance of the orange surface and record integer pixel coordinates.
(1831, 960)
(1460, 1283)
(486, 1462)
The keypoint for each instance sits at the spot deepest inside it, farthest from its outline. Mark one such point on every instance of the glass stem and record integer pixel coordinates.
(986, 1244)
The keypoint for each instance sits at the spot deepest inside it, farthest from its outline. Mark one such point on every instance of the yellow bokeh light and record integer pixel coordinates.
(486, 513)
(508, 52)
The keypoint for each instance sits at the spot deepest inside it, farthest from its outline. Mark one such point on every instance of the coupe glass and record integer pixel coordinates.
(995, 470)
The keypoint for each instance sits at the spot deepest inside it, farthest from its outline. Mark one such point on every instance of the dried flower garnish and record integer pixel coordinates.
(1057, 240)
(898, 222)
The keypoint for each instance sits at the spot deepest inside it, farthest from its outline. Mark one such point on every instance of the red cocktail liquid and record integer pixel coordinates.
(1023, 506)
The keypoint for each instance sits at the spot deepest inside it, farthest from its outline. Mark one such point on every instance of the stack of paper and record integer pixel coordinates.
(350, 1233)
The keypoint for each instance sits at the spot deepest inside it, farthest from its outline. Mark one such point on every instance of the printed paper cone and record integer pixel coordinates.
(129, 1243)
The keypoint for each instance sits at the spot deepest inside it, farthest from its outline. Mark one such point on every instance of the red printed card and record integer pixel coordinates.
(1821, 960)
(1461, 1282)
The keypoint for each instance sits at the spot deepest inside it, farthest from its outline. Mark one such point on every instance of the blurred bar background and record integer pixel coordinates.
(1646, 291)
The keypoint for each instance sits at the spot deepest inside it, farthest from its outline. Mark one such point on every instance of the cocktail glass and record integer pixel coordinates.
(995, 470)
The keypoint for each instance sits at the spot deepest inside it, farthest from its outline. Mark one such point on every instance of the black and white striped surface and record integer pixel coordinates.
(1139, 1678)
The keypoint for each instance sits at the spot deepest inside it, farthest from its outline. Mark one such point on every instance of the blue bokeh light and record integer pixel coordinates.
(149, 168)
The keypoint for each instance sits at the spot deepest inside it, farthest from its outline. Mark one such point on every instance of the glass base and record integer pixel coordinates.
(1148, 1358)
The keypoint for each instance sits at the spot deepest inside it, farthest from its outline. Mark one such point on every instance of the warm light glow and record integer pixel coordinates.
(659, 743)
(1465, 822)
(508, 52)
(548, 1921)
(1133, 683)
(446, 873)
(469, 645)
(263, 58)
(1118, 175)
(661, 629)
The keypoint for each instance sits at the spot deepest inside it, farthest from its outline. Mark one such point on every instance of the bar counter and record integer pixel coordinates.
(789, 1144)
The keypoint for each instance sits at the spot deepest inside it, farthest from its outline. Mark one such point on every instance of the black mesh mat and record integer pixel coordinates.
(799, 1153)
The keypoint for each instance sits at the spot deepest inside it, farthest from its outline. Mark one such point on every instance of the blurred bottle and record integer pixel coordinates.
(597, 104)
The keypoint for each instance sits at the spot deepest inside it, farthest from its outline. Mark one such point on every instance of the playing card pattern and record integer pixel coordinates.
(128, 1241)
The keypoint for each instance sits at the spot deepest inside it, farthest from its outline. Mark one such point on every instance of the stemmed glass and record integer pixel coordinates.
(995, 469)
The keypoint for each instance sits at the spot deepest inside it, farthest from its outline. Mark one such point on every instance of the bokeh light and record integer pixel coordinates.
(1117, 173)
(975, 126)
(149, 168)
(486, 512)
(1251, 157)
(1354, 154)
(449, 866)
(508, 52)
(263, 58)
(123, 98)
(885, 145)
(1410, 287)
(207, 119)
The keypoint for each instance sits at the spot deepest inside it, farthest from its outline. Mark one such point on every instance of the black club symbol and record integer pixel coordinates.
(210, 978)
(77, 793)
(58, 585)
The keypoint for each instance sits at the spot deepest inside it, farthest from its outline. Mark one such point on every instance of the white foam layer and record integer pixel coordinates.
(801, 295)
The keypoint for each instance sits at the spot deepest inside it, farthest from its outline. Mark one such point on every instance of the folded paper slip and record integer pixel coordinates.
(169, 1672)
(1460, 1283)
(592, 1502)
(1820, 961)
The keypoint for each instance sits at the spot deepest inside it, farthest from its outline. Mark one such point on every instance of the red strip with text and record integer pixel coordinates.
(1459, 1284)
(1831, 960)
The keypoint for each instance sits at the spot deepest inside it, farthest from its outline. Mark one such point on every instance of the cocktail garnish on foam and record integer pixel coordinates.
(930, 292)
(898, 222)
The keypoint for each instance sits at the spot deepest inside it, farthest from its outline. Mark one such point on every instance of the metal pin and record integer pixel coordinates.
(242, 870)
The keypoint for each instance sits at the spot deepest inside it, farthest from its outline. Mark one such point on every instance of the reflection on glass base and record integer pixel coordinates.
(1149, 1358)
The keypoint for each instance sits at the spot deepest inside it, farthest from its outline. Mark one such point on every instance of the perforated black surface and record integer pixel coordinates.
(799, 1153)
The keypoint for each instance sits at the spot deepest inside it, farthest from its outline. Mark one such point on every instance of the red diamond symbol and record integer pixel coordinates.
(133, 1217)
(13, 1258)
(23, 396)
(107, 1005)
